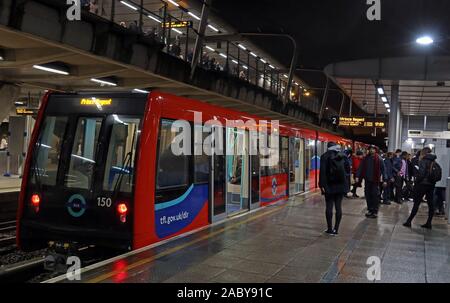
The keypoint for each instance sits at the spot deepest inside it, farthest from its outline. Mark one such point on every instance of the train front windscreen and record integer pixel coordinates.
(81, 175)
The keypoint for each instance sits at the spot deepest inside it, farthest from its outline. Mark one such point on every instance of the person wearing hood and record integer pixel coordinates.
(372, 171)
(424, 186)
(333, 183)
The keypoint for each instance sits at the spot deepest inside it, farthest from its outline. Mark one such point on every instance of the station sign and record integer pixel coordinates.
(177, 24)
(25, 111)
(361, 122)
(424, 134)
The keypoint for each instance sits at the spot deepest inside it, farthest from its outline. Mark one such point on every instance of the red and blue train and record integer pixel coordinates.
(100, 170)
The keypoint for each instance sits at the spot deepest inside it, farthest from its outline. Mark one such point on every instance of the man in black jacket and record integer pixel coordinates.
(373, 171)
(423, 187)
(333, 183)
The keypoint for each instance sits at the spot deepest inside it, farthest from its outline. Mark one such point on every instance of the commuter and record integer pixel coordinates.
(242, 75)
(372, 171)
(4, 142)
(348, 169)
(356, 161)
(387, 191)
(397, 166)
(428, 174)
(333, 184)
(404, 176)
(439, 198)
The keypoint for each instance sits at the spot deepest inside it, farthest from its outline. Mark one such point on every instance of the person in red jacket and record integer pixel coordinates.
(356, 161)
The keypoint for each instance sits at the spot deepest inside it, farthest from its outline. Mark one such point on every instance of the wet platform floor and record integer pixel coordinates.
(286, 243)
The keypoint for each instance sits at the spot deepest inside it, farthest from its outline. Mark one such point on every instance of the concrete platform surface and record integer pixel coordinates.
(286, 243)
(10, 184)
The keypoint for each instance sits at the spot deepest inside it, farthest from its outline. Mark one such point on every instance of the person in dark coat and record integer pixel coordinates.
(388, 165)
(397, 166)
(372, 171)
(333, 188)
(423, 187)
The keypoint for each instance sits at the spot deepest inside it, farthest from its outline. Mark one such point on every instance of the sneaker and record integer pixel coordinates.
(407, 224)
(386, 203)
(373, 216)
(335, 232)
(368, 214)
(427, 226)
(330, 232)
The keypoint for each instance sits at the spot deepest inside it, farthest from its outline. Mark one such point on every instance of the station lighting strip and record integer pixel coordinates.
(385, 100)
(105, 82)
(50, 69)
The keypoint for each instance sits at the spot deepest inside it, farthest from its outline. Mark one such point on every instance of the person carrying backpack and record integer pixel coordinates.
(333, 183)
(373, 171)
(428, 174)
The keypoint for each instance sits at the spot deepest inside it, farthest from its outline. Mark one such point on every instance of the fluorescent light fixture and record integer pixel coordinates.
(154, 18)
(213, 28)
(137, 90)
(210, 48)
(388, 110)
(173, 2)
(263, 61)
(384, 99)
(234, 61)
(244, 66)
(83, 158)
(104, 82)
(380, 91)
(223, 55)
(253, 54)
(177, 31)
(425, 40)
(51, 69)
(286, 76)
(194, 15)
(296, 83)
(129, 5)
(386, 105)
(242, 46)
(271, 66)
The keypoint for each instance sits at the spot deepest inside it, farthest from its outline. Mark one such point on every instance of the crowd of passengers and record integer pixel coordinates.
(388, 177)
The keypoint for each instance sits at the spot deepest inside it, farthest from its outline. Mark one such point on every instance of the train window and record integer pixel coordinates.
(201, 159)
(121, 154)
(173, 170)
(284, 155)
(82, 158)
(48, 150)
(275, 168)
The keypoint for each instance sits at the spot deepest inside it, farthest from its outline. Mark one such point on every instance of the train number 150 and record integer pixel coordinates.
(104, 202)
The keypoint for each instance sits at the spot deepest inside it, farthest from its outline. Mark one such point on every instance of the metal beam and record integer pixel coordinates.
(324, 99)
(200, 34)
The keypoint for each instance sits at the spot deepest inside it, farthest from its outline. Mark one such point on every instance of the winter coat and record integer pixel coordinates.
(424, 170)
(389, 166)
(355, 165)
(331, 188)
(396, 164)
(368, 175)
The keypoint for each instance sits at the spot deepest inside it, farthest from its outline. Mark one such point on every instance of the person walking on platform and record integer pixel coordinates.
(387, 191)
(372, 171)
(397, 166)
(428, 174)
(333, 184)
(356, 161)
(348, 169)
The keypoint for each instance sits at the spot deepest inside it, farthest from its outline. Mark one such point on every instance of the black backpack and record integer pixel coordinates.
(336, 169)
(435, 173)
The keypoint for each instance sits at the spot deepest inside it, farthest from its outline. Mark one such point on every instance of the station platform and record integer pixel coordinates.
(10, 184)
(286, 243)
(9, 195)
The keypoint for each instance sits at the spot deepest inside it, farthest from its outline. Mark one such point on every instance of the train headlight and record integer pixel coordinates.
(122, 209)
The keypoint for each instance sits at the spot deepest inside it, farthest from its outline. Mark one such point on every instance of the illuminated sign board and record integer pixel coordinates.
(96, 102)
(361, 122)
(24, 111)
(177, 24)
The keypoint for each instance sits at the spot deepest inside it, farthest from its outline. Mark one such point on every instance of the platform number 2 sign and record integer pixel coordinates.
(374, 10)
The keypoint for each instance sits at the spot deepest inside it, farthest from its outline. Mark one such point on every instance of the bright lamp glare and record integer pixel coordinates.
(381, 91)
(194, 15)
(129, 5)
(50, 70)
(425, 40)
(384, 99)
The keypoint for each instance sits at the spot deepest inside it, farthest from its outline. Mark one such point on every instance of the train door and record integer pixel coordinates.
(296, 165)
(309, 169)
(218, 175)
(254, 171)
(237, 171)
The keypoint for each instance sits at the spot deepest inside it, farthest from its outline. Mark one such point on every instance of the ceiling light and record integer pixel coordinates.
(223, 55)
(380, 91)
(244, 66)
(177, 31)
(194, 16)
(253, 54)
(104, 81)
(173, 2)
(286, 76)
(234, 61)
(210, 48)
(388, 110)
(271, 66)
(213, 28)
(52, 68)
(384, 99)
(242, 46)
(386, 105)
(129, 5)
(154, 18)
(263, 61)
(137, 90)
(425, 40)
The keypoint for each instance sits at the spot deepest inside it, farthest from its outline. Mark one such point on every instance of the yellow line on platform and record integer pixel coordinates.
(179, 247)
